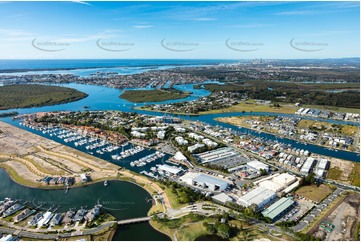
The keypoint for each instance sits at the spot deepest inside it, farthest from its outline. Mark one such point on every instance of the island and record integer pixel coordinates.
(33, 95)
(157, 95)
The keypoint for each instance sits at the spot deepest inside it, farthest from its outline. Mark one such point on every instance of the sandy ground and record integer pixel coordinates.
(344, 218)
(344, 166)
(19, 142)
(22, 170)
(34, 157)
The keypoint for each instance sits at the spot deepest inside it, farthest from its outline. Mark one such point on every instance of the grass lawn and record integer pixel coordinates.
(251, 232)
(349, 130)
(186, 231)
(156, 209)
(334, 173)
(172, 198)
(355, 175)
(249, 106)
(314, 193)
(191, 232)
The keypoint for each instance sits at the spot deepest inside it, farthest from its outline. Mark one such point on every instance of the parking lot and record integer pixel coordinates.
(246, 172)
(317, 210)
(301, 208)
(231, 162)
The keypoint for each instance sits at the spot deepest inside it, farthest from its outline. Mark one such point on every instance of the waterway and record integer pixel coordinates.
(121, 199)
(132, 198)
(105, 98)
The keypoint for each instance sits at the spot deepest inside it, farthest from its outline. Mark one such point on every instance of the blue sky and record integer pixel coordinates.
(179, 30)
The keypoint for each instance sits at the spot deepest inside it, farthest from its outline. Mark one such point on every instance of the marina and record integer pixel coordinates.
(105, 98)
(134, 157)
(55, 202)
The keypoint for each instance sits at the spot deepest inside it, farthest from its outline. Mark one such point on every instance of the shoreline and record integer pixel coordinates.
(245, 112)
(295, 140)
(120, 174)
(92, 183)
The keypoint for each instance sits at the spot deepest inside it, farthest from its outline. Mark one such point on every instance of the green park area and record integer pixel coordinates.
(314, 193)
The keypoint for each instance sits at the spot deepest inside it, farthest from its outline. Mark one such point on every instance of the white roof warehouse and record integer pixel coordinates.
(204, 181)
(259, 196)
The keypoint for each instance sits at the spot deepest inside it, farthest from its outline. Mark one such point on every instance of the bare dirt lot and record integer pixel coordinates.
(29, 158)
(344, 171)
(345, 219)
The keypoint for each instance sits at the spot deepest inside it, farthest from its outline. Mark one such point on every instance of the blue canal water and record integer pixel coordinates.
(123, 200)
(105, 98)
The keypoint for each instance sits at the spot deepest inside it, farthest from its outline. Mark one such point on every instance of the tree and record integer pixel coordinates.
(224, 230)
(263, 172)
(310, 179)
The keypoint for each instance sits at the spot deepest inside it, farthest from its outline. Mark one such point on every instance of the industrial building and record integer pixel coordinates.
(279, 208)
(259, 196)
(204, 181)
(217, 155)
(283, 182)
(222, 198)
(258, 165)
(170, 169)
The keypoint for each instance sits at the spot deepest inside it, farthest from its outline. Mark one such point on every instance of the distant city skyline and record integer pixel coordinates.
(179, 30)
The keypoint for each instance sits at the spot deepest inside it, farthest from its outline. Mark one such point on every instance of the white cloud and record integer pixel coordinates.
(82, 2)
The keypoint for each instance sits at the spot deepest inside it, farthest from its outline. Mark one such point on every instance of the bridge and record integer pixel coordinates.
(133, 220)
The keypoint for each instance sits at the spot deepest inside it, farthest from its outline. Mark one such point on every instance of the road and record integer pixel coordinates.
(196, 208)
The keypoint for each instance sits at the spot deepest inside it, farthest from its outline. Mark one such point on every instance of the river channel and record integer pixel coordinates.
(126, 200)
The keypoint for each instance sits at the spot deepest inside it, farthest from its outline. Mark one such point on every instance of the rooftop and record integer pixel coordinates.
(278, 207)
(202, 178)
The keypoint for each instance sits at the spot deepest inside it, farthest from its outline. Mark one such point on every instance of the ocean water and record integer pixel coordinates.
(94, 63)
(88, 67)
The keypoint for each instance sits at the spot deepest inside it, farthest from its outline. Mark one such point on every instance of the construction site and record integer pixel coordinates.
(29, 159)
